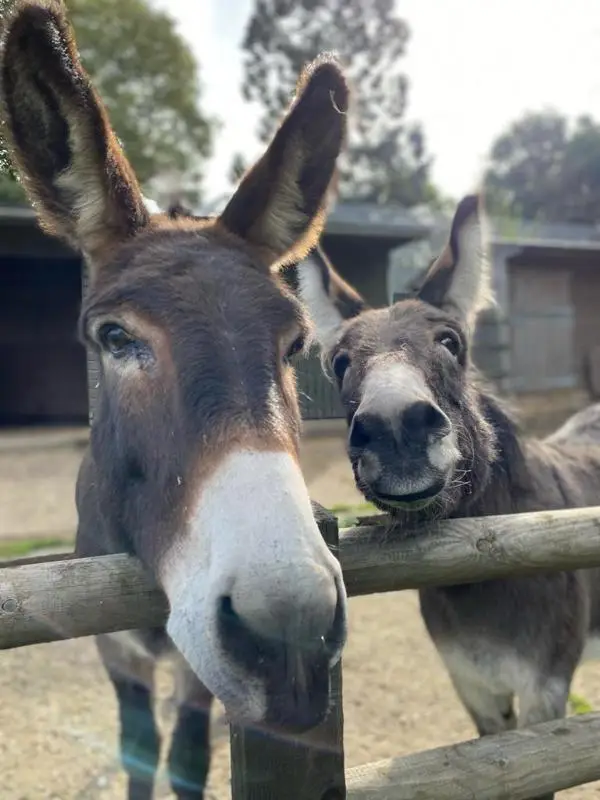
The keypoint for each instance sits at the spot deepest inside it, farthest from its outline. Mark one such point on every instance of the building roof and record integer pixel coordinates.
(345, 219)
(396, 222)
(15, 215)
(522, 233)
(559, 235)
(362, 219)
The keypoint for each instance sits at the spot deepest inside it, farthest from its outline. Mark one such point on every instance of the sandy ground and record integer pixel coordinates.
(58, 714)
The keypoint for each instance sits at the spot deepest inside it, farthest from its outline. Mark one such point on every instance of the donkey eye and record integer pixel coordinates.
(340, 365)
(296, 346)
(116, 341)
(450, 341)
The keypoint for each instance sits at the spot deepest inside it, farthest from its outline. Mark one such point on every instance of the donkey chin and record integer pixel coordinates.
(421, 483)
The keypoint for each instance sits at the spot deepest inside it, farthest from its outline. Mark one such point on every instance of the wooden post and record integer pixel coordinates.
(307, 767)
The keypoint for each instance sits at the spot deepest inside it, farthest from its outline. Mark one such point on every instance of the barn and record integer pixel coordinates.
(43, 365)
(547, 279)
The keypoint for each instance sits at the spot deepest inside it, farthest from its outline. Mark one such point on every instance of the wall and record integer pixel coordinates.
(43, 374)
(586, 299)
(42, 363)
(363, 262)
(555, 324)
(542, 324)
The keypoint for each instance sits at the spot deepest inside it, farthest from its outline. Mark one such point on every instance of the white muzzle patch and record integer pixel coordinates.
(252, 538)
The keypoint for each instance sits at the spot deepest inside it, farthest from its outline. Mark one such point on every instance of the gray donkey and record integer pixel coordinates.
(427, 440)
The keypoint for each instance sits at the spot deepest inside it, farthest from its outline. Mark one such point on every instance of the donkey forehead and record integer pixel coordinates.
(405, 327)
(182, 278)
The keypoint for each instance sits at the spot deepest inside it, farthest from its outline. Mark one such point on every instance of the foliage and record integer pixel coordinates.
(148, 78)
(348, 515)
(387, 159)
(545, 168)
(21, 548)
(579, 705)
(237, 169)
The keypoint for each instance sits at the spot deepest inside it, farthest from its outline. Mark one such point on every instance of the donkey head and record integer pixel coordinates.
(193, 462)
(418, 440)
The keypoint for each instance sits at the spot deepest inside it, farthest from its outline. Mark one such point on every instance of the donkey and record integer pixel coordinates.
(193, 458)
(427, 439)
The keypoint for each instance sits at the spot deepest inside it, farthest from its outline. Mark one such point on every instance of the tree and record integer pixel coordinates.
(148, 78)
(238, 168)
(547, 168)
(387, 160)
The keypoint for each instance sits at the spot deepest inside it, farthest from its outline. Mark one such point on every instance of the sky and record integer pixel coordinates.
(474, 66)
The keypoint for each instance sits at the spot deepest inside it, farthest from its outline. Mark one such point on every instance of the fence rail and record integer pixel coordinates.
(55, 598)
(520, 765)
(48, 599)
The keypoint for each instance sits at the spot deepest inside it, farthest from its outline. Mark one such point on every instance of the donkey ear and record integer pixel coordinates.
(58, 135)
(329, 299)
(459, 279)
(279, 206)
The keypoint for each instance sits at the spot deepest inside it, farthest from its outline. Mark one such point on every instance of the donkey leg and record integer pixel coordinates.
(189, 755)
(132, 676)
(543, 701)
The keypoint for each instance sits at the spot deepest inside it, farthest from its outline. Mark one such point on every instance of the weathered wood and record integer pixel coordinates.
(517, 765)
(79, 597)
(76, 597)
(386, 559)
(307, 767)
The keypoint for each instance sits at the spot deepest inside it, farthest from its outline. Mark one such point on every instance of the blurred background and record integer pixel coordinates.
(449, 96)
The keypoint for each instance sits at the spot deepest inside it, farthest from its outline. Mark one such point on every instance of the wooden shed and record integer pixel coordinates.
(547, 278)
(43, 365)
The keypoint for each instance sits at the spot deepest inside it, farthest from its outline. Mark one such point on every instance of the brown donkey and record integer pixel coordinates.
(427, 439)
(193, 461)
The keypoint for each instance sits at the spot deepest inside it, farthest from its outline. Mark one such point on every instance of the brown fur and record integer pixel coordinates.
(207, 324)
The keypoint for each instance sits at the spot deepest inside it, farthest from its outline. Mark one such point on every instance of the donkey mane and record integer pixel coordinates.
(509, 472)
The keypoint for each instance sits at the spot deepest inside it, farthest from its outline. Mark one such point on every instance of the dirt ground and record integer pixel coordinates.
(58, 715)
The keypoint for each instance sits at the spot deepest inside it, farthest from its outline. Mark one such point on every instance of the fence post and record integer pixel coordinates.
(308, 767)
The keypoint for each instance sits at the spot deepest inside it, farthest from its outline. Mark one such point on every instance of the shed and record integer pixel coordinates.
(43, 364)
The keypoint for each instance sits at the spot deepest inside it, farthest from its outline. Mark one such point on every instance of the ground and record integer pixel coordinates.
(58, 716)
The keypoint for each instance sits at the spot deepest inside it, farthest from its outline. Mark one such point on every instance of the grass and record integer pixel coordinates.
(20, 548)
(579, 705)
(347, 514)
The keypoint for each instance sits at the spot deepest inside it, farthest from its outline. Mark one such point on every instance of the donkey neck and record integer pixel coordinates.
(524, 475)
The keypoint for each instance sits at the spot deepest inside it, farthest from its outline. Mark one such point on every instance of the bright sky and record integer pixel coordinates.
(474, 66)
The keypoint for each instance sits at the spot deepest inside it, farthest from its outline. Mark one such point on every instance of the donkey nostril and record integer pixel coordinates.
(436, 421)
(359, 437)
(365, 429)
(226, 609)
(423, 419)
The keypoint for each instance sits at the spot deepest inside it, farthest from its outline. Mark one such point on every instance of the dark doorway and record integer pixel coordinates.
(42, 363)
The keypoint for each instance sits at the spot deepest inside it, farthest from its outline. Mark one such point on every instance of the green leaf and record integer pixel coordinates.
(387, 161)
(579, 705)
(149, 80)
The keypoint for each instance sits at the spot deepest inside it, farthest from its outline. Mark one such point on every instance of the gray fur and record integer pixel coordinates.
(502, 641)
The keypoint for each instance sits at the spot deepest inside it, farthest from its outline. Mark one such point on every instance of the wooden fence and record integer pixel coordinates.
(65, 597)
